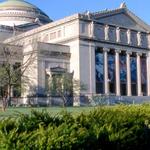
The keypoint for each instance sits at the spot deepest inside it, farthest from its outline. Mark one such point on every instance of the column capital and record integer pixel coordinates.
(117, 51)
(128, 31)
(138, 53)
(106, 26)
(118, 28)
(147, 54)
(129, 53)
(105, 49)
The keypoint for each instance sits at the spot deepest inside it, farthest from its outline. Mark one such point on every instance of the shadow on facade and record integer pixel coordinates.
(94, 100)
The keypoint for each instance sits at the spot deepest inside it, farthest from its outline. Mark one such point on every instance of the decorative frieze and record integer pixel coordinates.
(123, 36)
(112, 34)
(139, 39)
(129, 36)
(118, 34)
(107, 32)
(99, 32)
(134, 38)
(54, 54)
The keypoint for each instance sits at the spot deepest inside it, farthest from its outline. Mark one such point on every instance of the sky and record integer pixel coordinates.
(57, 9)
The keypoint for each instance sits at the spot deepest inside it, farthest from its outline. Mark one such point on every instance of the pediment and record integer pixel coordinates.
(124, 19)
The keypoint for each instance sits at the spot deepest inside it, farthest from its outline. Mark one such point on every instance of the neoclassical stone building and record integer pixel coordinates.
(106, 50)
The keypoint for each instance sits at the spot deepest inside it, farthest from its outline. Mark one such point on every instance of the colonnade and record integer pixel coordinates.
(128, 73)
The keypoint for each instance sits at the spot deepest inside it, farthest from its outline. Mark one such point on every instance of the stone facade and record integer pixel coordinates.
(108, 51)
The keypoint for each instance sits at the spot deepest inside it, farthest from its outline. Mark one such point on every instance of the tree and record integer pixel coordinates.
(63, 85)
(11, 72)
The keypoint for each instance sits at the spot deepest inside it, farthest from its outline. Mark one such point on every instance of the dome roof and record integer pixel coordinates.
(21, 12)
(16, 3)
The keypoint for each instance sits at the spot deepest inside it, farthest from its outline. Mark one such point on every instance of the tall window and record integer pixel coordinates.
(133, 75)
(143, 75)
(123, 74)
(99, 65)
(111, 71)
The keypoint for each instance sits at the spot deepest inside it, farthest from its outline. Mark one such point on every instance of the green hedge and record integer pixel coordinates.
(105, 128)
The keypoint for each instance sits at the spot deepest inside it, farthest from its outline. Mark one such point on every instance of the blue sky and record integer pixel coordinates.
(57, 9)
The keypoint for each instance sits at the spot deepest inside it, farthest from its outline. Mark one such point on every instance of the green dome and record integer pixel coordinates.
(21, 12)
(17, 3)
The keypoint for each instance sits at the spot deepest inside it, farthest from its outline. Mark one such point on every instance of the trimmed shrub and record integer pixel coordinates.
(116, 128)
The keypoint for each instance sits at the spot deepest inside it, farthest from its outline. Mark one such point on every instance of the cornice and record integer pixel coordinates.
(108, 12)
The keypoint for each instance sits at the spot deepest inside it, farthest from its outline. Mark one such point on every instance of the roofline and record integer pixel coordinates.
(44, 27)
(135, 18)
(83, 16)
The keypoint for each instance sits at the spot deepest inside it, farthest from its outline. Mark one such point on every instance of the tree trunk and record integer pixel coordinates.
(4, 105)
(6, 100)
(64, 100)
(3, 109)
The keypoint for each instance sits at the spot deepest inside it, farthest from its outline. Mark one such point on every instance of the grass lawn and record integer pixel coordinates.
(51, 110)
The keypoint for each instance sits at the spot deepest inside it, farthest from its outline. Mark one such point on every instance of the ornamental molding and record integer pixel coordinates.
(129, 52)
(121, 47)
(105, 49)
(9, 19)
(22, 8)
(24, 14)
(54, 54)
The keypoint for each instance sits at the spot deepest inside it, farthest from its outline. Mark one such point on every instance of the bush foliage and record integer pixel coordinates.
(105, 128)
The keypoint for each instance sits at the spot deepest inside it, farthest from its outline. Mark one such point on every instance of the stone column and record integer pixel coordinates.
(106, 82)
(117, 66)
(138, 62)
(148, 73)
(92, 75)
(128, 73)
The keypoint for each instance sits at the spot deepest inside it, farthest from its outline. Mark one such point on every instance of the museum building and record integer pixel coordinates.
(106, 50)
